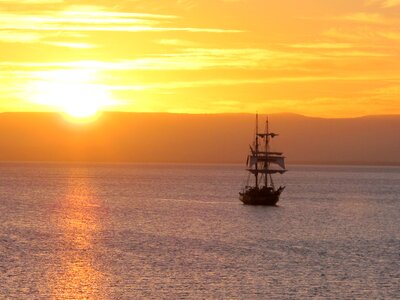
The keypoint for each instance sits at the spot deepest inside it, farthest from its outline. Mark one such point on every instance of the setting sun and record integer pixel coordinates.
(81, 102)
(87, 112)
(71, 92)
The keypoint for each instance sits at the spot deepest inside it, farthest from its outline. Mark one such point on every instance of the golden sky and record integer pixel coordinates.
(315, 57)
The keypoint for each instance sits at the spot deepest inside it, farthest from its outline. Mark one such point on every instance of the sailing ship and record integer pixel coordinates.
(263, 163)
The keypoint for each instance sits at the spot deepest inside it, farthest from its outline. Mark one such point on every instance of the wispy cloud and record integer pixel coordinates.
(211, 58)
(322, 45)
(10, 36)
(384, 3)
(187, 4)
(391, 3)
(176, 42)
(368, 18)
(32, 1)
(389, 91)
(391, 35)
(71, 45)
(235, 82)
(187, 59)
(94, 21)
(23, 71)
(378, 38)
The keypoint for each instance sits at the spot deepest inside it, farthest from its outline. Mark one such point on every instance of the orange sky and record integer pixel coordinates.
(320, 58)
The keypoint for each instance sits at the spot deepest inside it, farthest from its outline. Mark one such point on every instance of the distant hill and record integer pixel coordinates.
(224, 138)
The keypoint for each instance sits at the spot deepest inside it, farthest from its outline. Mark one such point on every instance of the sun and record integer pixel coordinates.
(81, 111)
(72, 93)
(82, 103)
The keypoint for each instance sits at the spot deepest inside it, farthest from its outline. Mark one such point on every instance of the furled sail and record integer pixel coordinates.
(264, 152)
(266, 171)
(264, 135)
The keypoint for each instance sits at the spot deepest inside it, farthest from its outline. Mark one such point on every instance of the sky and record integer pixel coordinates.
(320, 58)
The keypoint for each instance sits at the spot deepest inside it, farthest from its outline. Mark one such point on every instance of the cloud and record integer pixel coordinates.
(187, 59)
(390, 91)
(191, 59)
(379, 38)
(322, 45)
(174, 85)
(71, 45)
(32, 1)
(91, 20)
(16, 36)
(176, 42)
(362, 17)
(187, 4)
(10, 36)
(384, 3)
(391, 35)
(391, 3)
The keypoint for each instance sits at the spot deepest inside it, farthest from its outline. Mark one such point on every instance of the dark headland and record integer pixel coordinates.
(187, 138)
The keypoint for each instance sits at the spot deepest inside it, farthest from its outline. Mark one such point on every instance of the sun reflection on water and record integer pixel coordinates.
(77, 275)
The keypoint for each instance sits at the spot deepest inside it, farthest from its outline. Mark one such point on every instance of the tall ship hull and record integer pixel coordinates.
(260, 196)
(262, 163)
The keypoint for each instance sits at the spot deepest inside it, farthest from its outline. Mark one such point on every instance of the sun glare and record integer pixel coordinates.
(82, 102)
(72, 93)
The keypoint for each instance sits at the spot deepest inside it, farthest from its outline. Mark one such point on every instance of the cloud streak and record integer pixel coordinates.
(385, 3)
(95, 21)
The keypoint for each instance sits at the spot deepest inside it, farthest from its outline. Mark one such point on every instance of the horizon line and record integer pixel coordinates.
(205, 114)
(294, 163)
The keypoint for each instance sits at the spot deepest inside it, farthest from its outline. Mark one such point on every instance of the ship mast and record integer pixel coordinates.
(256, 165)
(266, 163)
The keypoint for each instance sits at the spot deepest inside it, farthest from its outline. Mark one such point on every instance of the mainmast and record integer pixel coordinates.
(256, 166)
(266, 164)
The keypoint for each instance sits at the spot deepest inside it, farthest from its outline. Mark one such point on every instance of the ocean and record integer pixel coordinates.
(168, 231)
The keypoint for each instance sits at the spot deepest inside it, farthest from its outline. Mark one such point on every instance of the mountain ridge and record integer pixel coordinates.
(196, 138)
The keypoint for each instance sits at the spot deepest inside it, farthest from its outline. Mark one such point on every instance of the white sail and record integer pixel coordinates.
(252, 160)
(278, 160)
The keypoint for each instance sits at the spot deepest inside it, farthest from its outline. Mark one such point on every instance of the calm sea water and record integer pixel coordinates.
(179, 231)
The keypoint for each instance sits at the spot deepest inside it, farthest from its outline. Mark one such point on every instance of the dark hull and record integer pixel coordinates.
(260, 197)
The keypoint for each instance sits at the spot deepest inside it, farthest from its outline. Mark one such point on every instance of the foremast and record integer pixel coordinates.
(262, 162)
